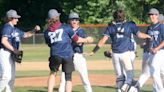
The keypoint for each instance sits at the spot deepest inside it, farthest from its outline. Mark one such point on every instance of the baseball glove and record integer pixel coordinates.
(108, 54)
(17, 57)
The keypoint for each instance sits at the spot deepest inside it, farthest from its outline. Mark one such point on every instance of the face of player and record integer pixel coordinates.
(154, 18)
(74, 23)
(14, 21)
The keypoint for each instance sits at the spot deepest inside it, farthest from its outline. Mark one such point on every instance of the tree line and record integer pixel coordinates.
(91, 11)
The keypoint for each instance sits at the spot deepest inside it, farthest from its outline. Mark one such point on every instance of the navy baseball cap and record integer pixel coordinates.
(153, 11)
(53, 13)
(73, 15)
(12, 14)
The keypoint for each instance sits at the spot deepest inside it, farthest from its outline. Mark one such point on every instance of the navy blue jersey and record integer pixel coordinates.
(120, 34)
(60, 41)
(13, 34)
(78, 48)
(156, 31)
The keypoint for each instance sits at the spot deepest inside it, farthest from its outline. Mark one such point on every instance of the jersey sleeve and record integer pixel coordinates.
(6, 32)
(134, 28)
(81, 33)
(107, 32)
(162, 31)
(46, 38)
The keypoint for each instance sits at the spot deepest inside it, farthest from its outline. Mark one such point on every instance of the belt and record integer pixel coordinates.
(4, 49)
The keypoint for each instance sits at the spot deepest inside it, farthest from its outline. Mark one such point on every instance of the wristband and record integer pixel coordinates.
(96, 49)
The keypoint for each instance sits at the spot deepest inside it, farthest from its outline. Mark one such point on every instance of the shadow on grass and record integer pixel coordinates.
(41, 90)
(112, 87)
(45, 90)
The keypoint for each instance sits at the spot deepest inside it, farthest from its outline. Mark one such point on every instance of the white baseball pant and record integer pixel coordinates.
(145, 69)
(132, 56)
(121, 62)
(80, 66)
(155, 70)
(7, 71)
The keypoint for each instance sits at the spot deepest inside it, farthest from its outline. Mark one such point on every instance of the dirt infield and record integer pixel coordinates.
(92, 65)
(106, 80)
(95, 79)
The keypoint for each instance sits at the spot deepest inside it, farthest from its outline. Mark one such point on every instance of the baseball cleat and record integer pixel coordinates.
(133, 89)
(125, 88)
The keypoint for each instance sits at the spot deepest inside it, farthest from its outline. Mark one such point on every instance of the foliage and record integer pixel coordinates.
(90, 11)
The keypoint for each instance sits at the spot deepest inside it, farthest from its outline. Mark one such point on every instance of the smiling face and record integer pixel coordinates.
(154, 18)
(74, 22)
(14, 21)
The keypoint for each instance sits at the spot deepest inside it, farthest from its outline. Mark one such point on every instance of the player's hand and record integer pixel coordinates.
(89, 39)
(16, 51)
(153, 50)
(149, 37)
(37, 28)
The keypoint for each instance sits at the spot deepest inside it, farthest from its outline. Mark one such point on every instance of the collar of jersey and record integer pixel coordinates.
(54, 27)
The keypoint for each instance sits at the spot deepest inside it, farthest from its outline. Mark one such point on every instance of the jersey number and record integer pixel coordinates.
(120, 33)
(56, 36)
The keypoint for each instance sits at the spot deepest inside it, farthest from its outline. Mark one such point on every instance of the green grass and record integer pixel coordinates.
(46, 73)
(40, 52)
(79, 88)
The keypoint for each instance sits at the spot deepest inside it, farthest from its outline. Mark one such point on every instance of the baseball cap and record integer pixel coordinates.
(153, 11)
(73, 15)
(53, 13)
(12, 14)
(161, 17)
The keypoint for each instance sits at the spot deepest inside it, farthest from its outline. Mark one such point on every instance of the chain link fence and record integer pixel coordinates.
(95, 31)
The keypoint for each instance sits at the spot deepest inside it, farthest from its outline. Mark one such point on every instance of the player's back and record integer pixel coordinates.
(60, 41)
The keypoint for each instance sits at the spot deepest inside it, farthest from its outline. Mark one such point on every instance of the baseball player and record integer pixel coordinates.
(120, 32)
(153, 50)
(10, 39)
(78, 59)
(58, 37)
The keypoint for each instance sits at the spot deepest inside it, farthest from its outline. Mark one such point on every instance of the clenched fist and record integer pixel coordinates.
(89, 39)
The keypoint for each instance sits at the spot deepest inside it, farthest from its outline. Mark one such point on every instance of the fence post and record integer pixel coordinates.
(33, 40)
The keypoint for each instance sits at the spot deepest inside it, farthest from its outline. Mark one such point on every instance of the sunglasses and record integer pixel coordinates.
(151, 14)
(15, 18)
(74, 19)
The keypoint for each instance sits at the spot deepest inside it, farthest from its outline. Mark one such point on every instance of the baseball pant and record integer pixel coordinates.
(145, 69)
(121, 62)
(80, 66)
(155, 70)
(132, 56)
(7, 71)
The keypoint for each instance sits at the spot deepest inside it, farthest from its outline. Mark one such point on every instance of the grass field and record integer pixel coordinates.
(76, 89)
(40, 53)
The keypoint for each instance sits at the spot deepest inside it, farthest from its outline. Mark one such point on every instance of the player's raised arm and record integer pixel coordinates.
(100, 44)
(31, 32)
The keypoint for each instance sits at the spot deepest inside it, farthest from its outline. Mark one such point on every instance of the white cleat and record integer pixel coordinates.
(133, 89)
(125, 88)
